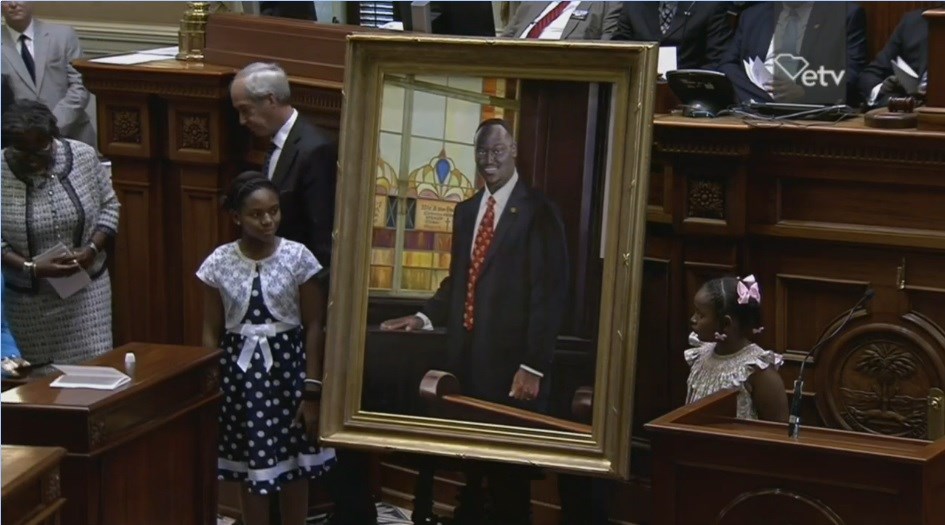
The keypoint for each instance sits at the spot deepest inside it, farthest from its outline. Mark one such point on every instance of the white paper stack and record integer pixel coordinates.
(758, 72)
(907, 78)
(94, 377)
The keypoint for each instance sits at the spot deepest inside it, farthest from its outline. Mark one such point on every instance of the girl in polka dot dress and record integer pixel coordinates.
(263, 309)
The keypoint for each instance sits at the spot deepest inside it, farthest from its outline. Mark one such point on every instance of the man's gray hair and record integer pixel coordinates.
(264, 78)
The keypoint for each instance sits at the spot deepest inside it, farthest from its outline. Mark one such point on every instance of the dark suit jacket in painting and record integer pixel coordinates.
(823, 36)
(58, 85)
(305, 175)
(699, 31)
(590, 20)
(910, 41)
(520, 297)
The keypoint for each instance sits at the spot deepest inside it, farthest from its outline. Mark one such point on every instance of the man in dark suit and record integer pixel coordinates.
(910, 41)
(504, 299)
(564, 20)
(302, 163)
(811, 30)
(302, 159)
(698, 30)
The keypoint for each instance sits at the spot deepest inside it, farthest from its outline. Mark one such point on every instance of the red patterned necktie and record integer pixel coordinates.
(546, 20)
(480, 249)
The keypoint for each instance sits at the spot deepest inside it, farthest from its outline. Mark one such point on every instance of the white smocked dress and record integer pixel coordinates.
(710, 372)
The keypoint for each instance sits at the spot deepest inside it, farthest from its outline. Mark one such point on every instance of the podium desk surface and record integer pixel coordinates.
(154, 363)
(21, 464)
(713, 417)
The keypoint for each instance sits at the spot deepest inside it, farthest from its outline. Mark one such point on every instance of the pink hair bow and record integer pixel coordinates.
(747, 289)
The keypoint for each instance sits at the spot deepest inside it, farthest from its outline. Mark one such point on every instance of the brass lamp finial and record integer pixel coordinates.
(192, 35)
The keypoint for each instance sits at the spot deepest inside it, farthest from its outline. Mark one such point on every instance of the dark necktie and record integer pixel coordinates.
(546, 20)
(27, 57)
(480, 249)
(791, 34)
(667, 12)
(268, 161)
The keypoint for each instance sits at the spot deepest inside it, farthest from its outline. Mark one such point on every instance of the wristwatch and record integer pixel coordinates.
(29, 268)
(312, 391)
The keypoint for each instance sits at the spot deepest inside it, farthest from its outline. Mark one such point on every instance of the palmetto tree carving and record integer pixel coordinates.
(888, 365)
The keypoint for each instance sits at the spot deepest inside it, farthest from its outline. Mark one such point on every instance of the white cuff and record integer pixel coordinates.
(532, 371)
(427, 324)
(874, 94)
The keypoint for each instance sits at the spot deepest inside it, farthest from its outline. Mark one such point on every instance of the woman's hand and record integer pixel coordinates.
(85, 256)
(308, 415)
(58, 267)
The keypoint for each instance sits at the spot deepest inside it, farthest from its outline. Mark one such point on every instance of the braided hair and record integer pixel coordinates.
(723, 293)
(243, 186)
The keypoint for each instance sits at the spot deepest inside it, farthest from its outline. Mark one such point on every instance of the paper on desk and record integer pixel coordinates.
(65, 286)
(170, 51)
(95, 377)
(907, 78)
(130, 59)
(667, 60)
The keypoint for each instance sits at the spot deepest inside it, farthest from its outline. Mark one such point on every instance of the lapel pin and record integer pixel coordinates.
(513, 210)
(579, 14)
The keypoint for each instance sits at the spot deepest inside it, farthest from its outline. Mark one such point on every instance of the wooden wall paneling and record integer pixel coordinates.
(660, 200)
(882, 19)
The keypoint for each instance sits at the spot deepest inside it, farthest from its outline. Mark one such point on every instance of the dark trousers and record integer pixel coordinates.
(584, 500)
(509, 495)
(349, 484)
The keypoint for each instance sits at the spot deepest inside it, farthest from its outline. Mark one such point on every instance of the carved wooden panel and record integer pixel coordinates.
(200, 205)
(195, 132)
(706, 198)
(125, 125)
(139, 264)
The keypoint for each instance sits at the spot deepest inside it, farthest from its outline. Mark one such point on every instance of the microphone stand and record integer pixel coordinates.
(794, 421)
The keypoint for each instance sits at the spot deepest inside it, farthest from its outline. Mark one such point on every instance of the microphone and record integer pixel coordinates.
(794, 420)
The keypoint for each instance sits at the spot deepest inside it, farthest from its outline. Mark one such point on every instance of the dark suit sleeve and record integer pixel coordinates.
(549, 281)
(437, 308)
(624, 26)
(318, 191)
(856, 49)
(731, 65)
(718, 33)
(881, 66)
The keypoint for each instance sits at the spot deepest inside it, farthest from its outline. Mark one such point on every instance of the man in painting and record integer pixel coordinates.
(503, 301)
(564, 20)
(302, 162)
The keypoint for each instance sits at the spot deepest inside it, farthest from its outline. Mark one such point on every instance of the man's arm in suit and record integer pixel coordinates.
(611, 19)
(624, 29)
(856, 49)
(518, 22)
(549, 283)
(731, 65)
(71, 108)
(718, 33)
(318, 192)
(437, 308)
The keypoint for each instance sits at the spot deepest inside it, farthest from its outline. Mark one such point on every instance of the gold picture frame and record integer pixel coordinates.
(630, 71)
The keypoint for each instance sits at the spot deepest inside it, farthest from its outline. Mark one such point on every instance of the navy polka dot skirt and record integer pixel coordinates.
(260, 442)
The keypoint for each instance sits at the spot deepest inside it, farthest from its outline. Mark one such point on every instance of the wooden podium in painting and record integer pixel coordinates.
(145, 453)
(712, 469)
(31, 491)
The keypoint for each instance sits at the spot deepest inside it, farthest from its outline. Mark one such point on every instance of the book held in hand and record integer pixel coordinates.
(95, 377)
(65, 286)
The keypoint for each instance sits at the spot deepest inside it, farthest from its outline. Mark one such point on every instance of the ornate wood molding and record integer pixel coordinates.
(907, 154)
(169, 86)
(126, 125)
(729, 149)
(195, 131)
(706, 198)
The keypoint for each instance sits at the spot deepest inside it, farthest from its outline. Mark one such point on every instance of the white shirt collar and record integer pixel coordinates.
(29, 31)
(283, 133)
(502, 195)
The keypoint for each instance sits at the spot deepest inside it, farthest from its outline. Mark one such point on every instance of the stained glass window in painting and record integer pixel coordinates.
(425, 167)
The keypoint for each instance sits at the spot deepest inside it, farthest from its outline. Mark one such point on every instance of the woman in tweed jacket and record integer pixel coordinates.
(52, 191)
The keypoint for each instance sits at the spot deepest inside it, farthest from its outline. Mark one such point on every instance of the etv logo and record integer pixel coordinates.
(798, 67)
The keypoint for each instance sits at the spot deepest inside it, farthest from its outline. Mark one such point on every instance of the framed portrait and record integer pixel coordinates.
(485, 287)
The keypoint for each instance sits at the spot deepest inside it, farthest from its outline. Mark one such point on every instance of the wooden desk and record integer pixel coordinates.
(31, 491)
(144, 453)
(710, 468)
